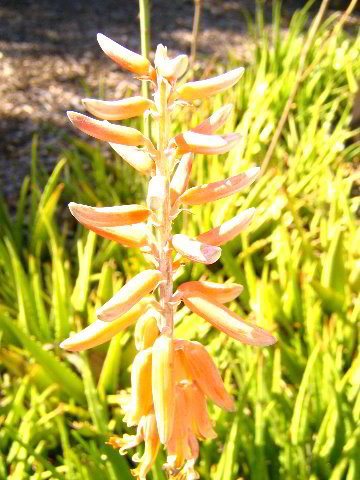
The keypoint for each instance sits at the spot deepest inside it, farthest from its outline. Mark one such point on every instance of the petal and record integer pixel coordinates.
(204, 88)
(163, 386)
(126, 58)
(118, 109)
(99, 332)
(214, 122)
(103, 130)
(134, 236)
(208, 144)
(228, 230)
(204, 372)
(180, 179)
(221, 189)
(196, 405)
(108, 216)
(194, 250)
(139, 159)
(135, 289)
(227, 321)
(223, 293)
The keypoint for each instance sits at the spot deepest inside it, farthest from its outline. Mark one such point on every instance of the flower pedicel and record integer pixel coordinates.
(171, 378)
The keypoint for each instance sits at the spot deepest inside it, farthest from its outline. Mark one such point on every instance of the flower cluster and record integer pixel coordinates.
(172, 379)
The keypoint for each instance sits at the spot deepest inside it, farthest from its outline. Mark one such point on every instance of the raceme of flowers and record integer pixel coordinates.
(171, 378)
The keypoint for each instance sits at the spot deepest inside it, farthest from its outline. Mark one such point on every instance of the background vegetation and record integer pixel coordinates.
(298, 403)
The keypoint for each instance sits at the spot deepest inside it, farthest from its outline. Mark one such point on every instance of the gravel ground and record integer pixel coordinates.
(49, 56)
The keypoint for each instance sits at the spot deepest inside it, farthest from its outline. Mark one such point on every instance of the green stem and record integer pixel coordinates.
(145, 49)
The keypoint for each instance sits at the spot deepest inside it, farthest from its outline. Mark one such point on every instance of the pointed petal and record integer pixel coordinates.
(194, 250)
(118, 109)
(227, 321)
(214, 122)
(108, 216)
(163, 386)
(126, 58)
(223, 293)
(180, 179)
(228, 230)
(204, 88)
(99, 332)
(221, 189)
(139, 159)
(133, 236)
(208, 144)
(103, 130)
(204, 372)
(135, 289)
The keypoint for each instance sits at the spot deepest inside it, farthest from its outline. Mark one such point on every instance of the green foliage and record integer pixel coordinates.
(298, 403)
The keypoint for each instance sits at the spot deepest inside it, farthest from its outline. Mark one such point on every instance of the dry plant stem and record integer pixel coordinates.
(145, 49)
(299, 78)
(323, 49)
(195, 30)
(165, 260)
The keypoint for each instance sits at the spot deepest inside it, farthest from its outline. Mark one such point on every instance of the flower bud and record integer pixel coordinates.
(208, 144)
(204, 88)
(214, 122)
(196, 251)
(180, 179)
(126, 58)
(228, 230)
(223, 293)
(108, 216)
(99, 332)
(135, 289)
(163, 386)
(118, 109)
(137, 158)
(221, 189)
(109, 132)
(141, 396)
(146, 330)
(227, 321)
(156, 193)
(134, 236)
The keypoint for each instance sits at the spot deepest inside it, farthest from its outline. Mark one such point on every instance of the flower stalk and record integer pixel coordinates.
(171, 378)
(165, 250)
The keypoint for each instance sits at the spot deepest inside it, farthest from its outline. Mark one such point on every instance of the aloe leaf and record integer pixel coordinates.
(56, 369)
(26, 303)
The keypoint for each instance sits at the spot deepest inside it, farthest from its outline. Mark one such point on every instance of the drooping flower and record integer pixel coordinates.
(172, 379)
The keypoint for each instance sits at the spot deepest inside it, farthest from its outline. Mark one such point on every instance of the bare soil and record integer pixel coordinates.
(50, 59)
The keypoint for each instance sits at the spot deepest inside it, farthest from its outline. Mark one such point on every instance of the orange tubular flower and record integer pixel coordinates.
(171, 379)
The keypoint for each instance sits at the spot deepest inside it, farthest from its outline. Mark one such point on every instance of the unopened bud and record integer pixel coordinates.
(163, 386)
(108, 216)
(135, 289)
(204, 88)
(196, 251)
(221, 189)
